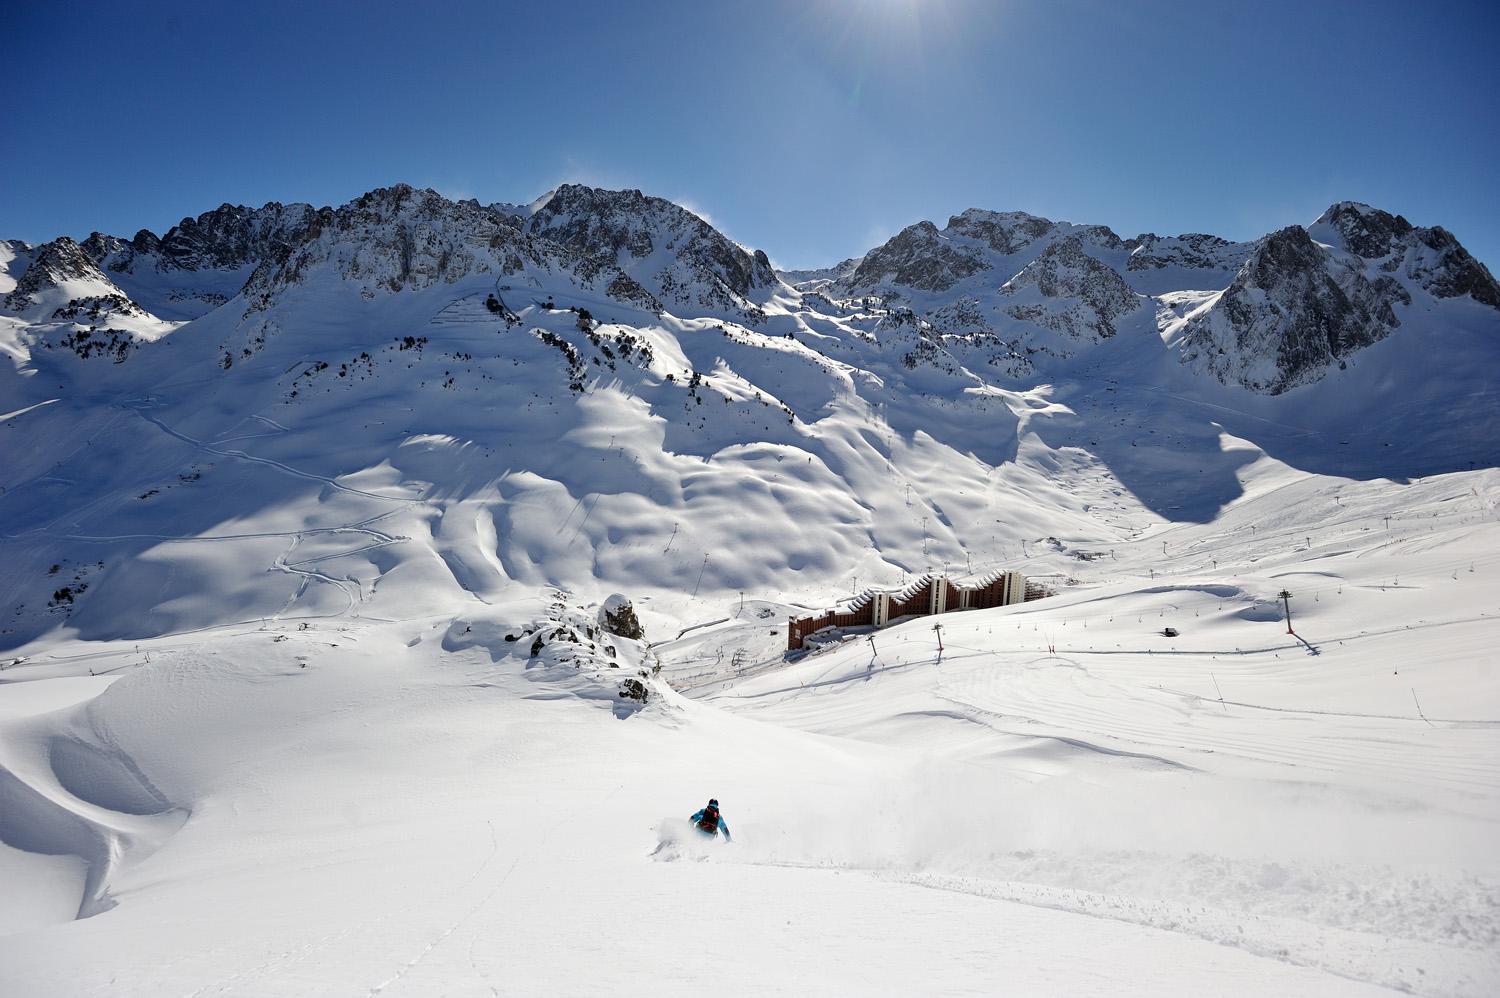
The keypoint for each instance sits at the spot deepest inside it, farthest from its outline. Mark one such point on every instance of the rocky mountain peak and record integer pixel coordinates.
(1005, 232)
(397, 237)
(61, 260)
(1431, 257)
(1190, 251)
(1079, 295)
(1281, 255)
(1291, 312)
(1364, 231)
(233, 236)
(657, 242)
(918, 257)
(1452, 272)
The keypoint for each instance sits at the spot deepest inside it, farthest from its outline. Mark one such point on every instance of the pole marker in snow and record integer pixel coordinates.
(1419, 707)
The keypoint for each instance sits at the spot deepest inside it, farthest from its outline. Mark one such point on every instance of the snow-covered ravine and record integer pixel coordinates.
(415, 805)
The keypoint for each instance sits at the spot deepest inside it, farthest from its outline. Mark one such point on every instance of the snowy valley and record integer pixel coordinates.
(316, 675)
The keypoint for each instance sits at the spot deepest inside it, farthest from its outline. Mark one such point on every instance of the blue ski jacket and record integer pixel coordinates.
(723, 825)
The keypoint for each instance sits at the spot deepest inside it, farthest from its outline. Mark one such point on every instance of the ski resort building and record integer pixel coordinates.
(929, 595)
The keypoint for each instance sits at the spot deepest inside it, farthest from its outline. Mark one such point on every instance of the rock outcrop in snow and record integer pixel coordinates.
(1430, 257)
(58, 270)
(1191, 251)
(919, 257)
(1068, 291)
(1292, 311)
(617, 616)
(664, 247)
(229, 238)
(400, 238)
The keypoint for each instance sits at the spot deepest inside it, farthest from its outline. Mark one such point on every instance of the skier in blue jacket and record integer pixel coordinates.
(710, 822)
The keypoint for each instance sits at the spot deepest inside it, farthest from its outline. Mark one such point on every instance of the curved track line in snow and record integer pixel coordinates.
(308, 575)
(29, 408)
(286, 469)
(438, 940)
(489, 896)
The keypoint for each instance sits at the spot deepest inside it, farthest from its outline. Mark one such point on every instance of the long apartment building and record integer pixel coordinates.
(929, 595)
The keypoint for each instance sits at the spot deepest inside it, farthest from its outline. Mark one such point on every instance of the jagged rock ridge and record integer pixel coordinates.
(1268, 316)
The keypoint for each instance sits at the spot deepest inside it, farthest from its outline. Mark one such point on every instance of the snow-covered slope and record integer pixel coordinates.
(307, 597)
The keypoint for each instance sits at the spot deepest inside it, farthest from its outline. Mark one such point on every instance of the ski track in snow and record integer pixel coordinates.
(285, 469)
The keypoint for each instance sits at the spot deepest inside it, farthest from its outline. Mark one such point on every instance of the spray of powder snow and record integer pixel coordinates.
(1170, 845)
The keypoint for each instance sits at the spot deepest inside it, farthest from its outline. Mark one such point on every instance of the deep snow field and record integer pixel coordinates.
(354, 805)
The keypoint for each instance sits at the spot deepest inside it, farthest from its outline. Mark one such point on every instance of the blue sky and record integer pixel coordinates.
(812, 129)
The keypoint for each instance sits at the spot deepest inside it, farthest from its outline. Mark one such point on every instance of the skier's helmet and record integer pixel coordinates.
(713, 802)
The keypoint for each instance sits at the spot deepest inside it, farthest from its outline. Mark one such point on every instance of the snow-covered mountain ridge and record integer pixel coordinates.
(613, 354)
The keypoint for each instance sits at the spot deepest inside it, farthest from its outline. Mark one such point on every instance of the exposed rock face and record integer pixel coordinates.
(617, 616)
(231, 237)
(662, 246)
(395, 238)
(1192, 251)
(1005, 232)
(1291, 312)
(1453, 273)
(817, 278)
(1430, 257)
(398, 237)
(201, 262)
(975, 244)
(53, 263)
(1365, 231)
(920, 257)
(1080, 297)
(965, 315)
